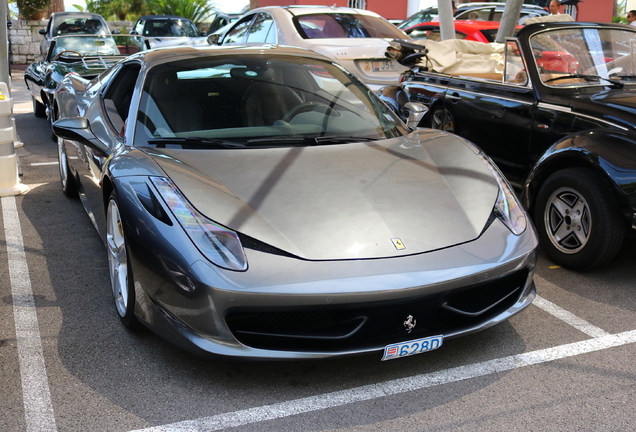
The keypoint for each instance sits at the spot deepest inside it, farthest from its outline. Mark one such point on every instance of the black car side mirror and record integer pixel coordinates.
(42, 32)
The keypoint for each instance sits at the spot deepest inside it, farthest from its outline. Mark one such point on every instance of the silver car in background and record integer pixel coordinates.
(261, 202)
(355, 38)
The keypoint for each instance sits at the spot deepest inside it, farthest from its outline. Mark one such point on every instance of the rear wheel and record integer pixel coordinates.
(579, 225)
(121, 277)
(38, 108)
(442, 119)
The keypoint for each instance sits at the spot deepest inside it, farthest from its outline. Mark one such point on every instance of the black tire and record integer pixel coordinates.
(579, 225)
(120, 270)
(442, 119)
(69, 187)
(39, 110)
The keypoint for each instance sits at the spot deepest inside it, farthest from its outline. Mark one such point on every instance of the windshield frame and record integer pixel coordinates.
(584, 52)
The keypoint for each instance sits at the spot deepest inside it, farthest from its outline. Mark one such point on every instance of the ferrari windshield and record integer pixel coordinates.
(84, 45)
(257, 100)
(585, 56)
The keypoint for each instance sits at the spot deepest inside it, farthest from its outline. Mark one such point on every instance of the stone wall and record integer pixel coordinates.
(25, 39)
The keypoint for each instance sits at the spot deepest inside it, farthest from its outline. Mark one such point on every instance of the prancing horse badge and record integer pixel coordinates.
(397, 242)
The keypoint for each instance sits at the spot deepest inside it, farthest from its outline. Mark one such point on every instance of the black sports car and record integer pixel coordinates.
(555, 108)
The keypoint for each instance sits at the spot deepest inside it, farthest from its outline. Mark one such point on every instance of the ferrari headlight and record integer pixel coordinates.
(507, 208)
(219, 244)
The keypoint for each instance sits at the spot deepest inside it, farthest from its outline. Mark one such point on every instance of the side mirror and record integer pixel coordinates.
(213, 39)
(415, 111)
(77, 129)
(42, 32)
(133, 32)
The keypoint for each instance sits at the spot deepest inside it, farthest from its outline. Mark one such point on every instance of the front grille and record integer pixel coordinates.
(363, 326)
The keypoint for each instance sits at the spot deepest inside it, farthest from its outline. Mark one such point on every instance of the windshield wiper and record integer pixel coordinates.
(186, 142)
(311, 140)
(614, 83)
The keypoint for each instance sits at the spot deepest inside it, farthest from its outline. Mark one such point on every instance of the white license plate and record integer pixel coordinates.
(381, 65)
(409, 348)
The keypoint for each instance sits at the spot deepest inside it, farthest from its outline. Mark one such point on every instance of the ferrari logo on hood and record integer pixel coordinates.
(397, 242)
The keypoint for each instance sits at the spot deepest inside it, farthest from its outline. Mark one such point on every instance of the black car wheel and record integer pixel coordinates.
(579, 225)
(442, 119)
(38, 108)
(121, 277)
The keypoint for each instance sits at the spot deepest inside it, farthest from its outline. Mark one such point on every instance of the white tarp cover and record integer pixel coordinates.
(548, 18)
(462, 57)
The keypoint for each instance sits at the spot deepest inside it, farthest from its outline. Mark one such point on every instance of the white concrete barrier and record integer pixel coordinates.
(9, 173)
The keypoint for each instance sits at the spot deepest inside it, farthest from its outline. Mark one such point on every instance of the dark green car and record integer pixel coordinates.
(85, 55)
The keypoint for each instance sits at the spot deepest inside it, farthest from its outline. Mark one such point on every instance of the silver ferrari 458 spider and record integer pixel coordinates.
(261, 202)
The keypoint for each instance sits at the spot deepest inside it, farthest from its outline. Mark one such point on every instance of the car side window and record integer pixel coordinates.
(237, 33)
(263, 30)
(515, 71)
(118, 96)
(139, 27)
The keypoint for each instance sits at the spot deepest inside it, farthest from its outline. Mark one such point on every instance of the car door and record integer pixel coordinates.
(497, 115)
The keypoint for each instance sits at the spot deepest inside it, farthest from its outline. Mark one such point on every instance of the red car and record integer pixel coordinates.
(480, 31)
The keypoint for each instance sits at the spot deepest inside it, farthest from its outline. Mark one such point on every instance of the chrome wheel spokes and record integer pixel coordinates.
(117, 258)
(567, 217)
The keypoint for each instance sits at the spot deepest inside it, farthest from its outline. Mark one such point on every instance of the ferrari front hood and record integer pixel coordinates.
(402, 196)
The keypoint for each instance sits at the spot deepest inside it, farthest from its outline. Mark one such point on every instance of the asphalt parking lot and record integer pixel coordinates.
(563, 364)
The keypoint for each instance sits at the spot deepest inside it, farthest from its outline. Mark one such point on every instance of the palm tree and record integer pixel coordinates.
(195, 10)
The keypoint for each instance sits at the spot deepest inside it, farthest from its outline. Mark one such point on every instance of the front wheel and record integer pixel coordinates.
(579, 225)
(121, 278)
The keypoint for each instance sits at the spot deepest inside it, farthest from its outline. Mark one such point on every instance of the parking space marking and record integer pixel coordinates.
(43, 163)
(568, 317)
(38, 409)
(394, 387)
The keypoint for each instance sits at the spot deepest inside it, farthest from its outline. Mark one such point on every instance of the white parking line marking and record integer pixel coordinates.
(403, 385)
(43, 163)
(567, 317)
(38, 409)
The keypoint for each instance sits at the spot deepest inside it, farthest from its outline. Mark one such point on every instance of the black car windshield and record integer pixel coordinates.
(249, 99)
(339, 25)
(171, 27)
(568, 57)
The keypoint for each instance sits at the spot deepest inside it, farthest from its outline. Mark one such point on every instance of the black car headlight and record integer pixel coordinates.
(218, 244)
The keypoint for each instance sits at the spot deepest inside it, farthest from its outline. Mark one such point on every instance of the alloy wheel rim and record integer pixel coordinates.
(117, 258)
(443, 120)
(63, 161)
(568, 220)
